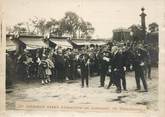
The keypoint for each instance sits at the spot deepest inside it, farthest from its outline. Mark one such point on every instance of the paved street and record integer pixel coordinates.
(72, 92)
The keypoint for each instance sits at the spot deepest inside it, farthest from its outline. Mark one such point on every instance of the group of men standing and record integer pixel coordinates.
(109, 60)
(121, 59)
(114, 61)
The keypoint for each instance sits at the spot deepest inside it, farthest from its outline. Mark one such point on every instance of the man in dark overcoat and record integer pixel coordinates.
(139, 64)
(118, 69)
(60, 66)
(84, 66)
(103, 66)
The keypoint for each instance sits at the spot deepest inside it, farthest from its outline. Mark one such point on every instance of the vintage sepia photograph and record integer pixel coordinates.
(82, 52)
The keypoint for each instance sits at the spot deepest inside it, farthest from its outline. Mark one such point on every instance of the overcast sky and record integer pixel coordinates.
(105, 15)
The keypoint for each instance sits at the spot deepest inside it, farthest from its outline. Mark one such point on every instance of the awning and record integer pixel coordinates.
(82, 42)
(89, 42)
(62, 43)
(34, 43)
(30, 48)
(10, 45)
(98, 42)
(11, 48)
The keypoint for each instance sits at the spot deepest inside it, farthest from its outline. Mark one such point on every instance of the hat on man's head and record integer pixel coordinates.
(114, 49)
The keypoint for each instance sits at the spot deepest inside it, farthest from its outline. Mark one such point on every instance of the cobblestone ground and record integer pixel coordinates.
(72, 92)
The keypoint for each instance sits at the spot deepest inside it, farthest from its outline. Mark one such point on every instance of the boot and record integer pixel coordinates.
(42, 82)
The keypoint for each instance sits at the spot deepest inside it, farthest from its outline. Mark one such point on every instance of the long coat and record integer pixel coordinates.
(60, 68)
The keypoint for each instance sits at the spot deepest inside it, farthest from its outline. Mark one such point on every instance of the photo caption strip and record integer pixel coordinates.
(49, 106)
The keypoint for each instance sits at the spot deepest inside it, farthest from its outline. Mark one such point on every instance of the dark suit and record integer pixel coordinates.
(118, 72)
(60, 68)
(139, 63)
(84, 66)
(103, 68)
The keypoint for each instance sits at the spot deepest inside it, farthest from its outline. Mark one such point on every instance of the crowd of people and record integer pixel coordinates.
(112, 60)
